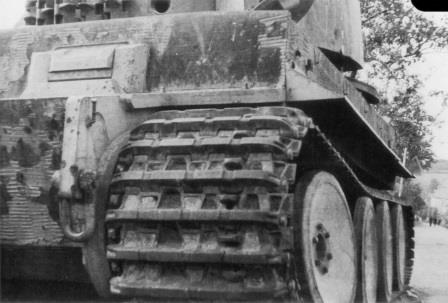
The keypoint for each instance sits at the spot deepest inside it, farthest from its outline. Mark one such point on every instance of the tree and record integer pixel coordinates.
(412, 192)
(396, 37)
(406, 110)
(433, 186)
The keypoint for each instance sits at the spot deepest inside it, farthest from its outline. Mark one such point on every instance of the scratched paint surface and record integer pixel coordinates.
(30, 146)
(221, 53)
(187, 51)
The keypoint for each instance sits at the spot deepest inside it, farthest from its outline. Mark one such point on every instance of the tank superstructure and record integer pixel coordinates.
(179, 140)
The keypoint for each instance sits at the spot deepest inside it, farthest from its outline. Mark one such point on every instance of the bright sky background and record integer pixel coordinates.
(11, 12)
(434, 71)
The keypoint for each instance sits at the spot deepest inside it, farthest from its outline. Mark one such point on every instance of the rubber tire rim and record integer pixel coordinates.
(313, 207)
(367, 244)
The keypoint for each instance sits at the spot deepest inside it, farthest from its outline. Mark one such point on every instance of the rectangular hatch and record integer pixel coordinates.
(82, 62)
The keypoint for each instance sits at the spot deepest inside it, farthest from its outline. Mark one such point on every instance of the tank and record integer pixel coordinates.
(199, 150)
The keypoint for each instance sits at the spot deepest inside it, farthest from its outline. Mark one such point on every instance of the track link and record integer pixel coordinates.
(200, 205)
(408, 214)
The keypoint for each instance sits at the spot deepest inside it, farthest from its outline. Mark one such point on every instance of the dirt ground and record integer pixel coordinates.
(429, 283)
(430, 278)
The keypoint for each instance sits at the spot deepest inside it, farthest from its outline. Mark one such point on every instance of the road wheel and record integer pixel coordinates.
(365, 227)
(324, 240)
(399, 247)
(385, 254)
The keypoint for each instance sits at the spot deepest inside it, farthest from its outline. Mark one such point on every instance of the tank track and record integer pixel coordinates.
(200, 205)
(410, 243)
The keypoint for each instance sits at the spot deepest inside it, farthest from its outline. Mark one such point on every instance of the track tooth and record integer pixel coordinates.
(263, 208)
(189, 282)
(196, 256)
(292, 123)
(242, 246)
(218, 175)
(212, 167)
(200, 205)
(410, 245)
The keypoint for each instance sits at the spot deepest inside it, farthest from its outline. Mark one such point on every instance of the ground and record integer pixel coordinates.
(429, 283)
(430, 278)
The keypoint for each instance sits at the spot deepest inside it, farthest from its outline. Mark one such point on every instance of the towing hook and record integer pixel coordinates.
(79, 225)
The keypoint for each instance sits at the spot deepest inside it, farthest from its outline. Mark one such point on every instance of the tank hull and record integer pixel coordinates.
(271, 93)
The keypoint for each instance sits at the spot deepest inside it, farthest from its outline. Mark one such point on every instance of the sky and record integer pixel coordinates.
(11, 12)
(434, 71)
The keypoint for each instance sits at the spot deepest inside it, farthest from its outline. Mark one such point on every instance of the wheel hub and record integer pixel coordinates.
(322, 249)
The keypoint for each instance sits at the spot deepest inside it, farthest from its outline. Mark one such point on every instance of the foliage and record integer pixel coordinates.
(412, 192)
(396, 36)
(406, 110)
(433, 186)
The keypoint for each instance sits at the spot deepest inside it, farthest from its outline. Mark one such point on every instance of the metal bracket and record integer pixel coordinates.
(83, 194)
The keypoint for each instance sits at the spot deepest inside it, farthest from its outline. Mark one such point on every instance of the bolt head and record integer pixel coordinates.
(284, 221)
(329, 256)
(114, 200)
(114, 267)
(324, 270)
(111, 233)
(319, 226)
(327, 235)
(317, 263)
